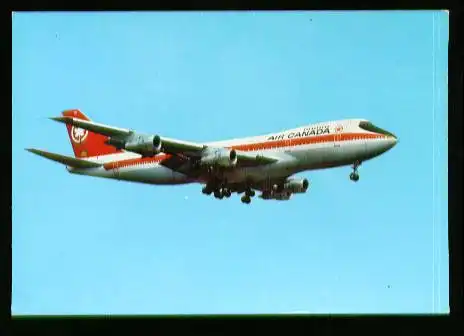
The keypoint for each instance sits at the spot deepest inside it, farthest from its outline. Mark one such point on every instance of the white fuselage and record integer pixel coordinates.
(317, 146)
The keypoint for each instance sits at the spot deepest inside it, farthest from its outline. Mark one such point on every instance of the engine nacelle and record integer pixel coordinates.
(293, 186)
(219, 157)
(280, 196)
(284, 196)
(146, 145)
(296, 185)
(119, 144)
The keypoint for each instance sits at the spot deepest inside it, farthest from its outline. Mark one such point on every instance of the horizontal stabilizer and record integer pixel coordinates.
(66, 160)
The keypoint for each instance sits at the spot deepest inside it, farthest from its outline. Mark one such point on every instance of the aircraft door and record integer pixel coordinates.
(337, 144)
(338, 129)
(116, 169)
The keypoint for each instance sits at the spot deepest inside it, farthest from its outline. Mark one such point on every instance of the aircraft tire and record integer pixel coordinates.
(354, 177)
(206, 191)
(246, 199)
(250, 193)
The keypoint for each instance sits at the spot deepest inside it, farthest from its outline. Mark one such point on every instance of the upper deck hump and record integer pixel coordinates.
(348, 125)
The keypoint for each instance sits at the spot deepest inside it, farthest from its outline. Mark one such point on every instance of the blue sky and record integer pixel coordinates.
(83, 245)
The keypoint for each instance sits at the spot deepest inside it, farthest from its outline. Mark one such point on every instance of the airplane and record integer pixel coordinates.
(265, 163)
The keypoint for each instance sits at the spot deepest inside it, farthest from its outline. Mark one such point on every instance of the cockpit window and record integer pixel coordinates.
(366, 125)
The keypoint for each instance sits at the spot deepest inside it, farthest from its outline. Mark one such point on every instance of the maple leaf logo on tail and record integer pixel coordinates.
(78, 135)
(86, 143)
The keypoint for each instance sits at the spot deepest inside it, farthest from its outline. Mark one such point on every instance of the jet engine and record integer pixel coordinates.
(296, 185)
(147, 145)
(293, 186)
(280, 196)
(219, 157)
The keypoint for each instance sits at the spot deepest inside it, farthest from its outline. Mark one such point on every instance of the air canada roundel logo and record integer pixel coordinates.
(78, 135)
(339, 128)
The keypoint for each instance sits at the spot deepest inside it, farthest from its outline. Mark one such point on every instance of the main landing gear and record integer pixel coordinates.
(249, 193)
(207, 191)
(220, 190)
(354, 176)
(219, 193)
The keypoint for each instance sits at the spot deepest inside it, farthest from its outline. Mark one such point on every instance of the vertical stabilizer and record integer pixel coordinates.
(86, 143)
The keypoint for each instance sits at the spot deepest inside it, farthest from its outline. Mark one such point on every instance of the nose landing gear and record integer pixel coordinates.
(354, 176)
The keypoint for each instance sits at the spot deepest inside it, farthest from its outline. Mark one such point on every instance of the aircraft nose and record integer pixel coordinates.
(392, 141)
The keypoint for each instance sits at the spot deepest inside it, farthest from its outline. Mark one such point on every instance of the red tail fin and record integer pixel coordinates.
(84, 142)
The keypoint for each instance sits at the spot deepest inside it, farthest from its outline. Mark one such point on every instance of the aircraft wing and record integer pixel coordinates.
(66, 160)
(192, 149)
(95, 127)
(173, 146)
(170, 146)
(185, 163)
(145, 144)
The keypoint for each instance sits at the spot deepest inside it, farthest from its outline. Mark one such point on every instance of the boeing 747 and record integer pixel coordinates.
(265, 163)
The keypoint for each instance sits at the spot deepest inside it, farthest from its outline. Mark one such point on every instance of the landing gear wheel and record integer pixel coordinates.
(223, 193)
(206, 191)
(246, 199)
(354, 177)
(250, 193)
(217, 194)
(227, 193)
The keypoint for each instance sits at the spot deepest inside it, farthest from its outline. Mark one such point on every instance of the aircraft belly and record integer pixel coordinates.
(156, 174)
(307, 157)
(273, 170)
(328, 155)
(345, 153)
(351, 152)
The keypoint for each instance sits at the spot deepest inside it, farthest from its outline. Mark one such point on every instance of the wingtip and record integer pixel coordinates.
(32, 150)
(59, 119)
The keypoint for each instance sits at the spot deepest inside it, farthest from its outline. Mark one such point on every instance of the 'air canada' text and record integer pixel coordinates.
(303, 133)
